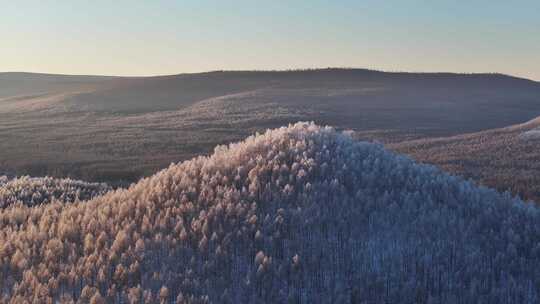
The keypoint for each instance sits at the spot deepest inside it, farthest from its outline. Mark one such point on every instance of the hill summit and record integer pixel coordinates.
(299, 214)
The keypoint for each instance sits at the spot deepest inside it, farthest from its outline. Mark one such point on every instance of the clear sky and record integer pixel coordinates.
(168, 37)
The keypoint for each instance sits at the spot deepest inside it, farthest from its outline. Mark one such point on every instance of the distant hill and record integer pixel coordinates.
(429, 102)
(18, 84)
(301, 214)
(118, 129)
(354, 89)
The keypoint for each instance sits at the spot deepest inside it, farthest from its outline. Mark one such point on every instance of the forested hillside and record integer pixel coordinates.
(507, 159)
(300, 214)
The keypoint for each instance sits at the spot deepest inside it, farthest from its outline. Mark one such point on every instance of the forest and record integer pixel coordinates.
(298, 214)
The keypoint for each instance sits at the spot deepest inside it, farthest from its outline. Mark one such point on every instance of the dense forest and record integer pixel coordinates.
(300, 214)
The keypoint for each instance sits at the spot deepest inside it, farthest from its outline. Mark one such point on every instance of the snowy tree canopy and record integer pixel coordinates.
(35, 191)
(300, 214)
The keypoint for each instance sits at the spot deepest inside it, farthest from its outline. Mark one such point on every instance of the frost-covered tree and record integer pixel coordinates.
(302, 214)
(32, 191)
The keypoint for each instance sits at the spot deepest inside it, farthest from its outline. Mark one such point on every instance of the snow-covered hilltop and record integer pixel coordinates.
(33, 191)
(301, 214)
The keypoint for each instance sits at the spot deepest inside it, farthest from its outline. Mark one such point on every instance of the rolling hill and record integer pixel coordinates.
(26, 85)
(117, 129)
(302, 214)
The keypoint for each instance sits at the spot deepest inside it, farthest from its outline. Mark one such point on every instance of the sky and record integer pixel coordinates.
(137, 38)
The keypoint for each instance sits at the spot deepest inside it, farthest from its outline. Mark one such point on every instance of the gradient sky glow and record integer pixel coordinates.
(169, 37)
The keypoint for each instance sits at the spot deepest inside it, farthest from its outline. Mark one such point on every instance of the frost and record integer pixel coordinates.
(32, 191)
(531, 134)
(299, 214)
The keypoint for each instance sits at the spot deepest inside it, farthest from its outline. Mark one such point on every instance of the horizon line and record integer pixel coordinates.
(270, 71)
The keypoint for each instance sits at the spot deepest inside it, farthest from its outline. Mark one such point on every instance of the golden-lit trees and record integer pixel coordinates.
(302, 214)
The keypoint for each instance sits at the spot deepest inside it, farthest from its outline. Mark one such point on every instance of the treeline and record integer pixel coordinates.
(302, 214)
